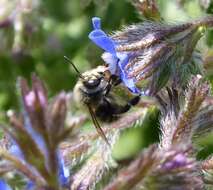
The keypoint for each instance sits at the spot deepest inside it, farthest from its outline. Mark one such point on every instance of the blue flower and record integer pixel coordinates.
(30, 186)
(16, 151)
(4, 185)
(116, 60)
(63, 171)
(63, 175)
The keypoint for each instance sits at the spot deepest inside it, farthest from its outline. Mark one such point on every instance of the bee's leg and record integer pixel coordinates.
(108, 111)
(122, 109)
(108, 88)
(113, 81)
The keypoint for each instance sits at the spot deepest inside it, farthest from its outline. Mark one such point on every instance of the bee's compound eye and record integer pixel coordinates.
(92, 83)
(101, 72)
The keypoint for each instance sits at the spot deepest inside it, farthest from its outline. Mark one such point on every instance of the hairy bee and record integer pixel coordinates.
(94, 90)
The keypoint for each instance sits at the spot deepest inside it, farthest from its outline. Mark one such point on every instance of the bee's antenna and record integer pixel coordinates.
(73, 65)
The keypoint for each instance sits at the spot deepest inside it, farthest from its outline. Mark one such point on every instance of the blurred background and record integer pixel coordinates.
(36, 34)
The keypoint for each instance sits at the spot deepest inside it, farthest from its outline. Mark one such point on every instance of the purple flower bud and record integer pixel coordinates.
(30, 98)
(179, 160)
(35, 98)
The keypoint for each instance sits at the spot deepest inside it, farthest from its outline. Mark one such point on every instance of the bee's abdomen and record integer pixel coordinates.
(105, 112)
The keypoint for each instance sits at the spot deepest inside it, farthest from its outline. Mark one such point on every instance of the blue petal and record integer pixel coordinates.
(96, 23)
(112, 61)
(4, 185)
(16, 151)
(129, 83)
(30, 186)
(100, 38)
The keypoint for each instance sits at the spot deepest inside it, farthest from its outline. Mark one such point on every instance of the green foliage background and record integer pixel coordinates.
(57, 28)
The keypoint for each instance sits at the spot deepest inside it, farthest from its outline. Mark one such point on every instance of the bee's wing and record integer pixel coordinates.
(97, 126)
(120, 95)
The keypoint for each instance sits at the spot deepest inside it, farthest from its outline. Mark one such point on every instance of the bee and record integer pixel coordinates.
(94, 90)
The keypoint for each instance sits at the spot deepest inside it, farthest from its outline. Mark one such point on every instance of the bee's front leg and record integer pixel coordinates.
(113, 81)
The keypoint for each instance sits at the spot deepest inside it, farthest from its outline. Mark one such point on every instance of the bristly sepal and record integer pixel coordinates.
(148, 9)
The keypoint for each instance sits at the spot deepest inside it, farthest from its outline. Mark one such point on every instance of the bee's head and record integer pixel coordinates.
(91, 86)
(94, 78)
